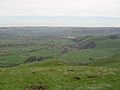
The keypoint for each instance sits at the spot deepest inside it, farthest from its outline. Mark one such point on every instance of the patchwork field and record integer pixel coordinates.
(55, 58)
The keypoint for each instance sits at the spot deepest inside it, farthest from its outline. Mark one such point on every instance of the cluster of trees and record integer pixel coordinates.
(115, 36)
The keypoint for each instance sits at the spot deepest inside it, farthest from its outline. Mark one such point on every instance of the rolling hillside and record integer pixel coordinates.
(58, 58)
(56, 75)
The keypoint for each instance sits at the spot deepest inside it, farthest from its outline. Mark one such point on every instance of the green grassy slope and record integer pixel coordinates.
(56, 75)
(104, 48)
(113, 61)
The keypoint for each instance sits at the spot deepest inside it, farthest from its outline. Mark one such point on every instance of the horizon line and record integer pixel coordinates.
(61, 26)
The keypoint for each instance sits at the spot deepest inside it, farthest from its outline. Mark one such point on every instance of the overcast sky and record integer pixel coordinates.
(60, 12)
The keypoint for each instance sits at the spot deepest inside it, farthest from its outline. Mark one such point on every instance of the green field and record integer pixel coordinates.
(21, 51)
(59, 60)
